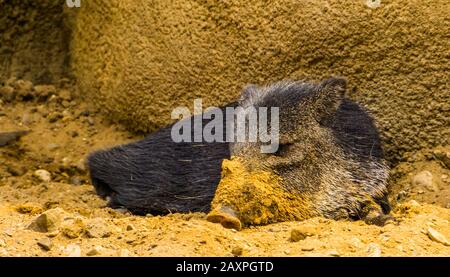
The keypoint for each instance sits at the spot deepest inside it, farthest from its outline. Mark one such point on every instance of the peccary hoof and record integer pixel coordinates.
(226, 217)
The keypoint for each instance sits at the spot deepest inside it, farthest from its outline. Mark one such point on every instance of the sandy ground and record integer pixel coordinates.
(56, 212)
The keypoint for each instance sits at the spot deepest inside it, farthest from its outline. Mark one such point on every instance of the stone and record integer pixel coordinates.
(8, 137)
(443, 157)
(7, 93)
(301, 233)
(43, 175)
(333, 253)
(98, 228)
(97, 250)
(48, 221)
(16, 170)
(54, 116)
(42, 92)
(45, 243)
(437, 237)
(237, 251)
(24, 88)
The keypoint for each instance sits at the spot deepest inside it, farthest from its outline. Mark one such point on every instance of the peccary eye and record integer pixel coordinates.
(283, 149)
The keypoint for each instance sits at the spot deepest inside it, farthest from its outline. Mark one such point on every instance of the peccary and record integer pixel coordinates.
(329, 157)
(329, 160)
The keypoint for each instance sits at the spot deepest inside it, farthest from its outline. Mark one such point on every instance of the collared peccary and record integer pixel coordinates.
(329, 163)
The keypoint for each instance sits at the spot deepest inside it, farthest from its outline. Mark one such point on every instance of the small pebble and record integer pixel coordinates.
(54, 116)
(95, 251)
(301, 233)
(45, 243)
(237, 251)
(43, 175)
(437, 237)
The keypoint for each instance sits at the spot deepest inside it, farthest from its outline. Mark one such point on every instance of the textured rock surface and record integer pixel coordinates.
(137, 61)
(34, 38)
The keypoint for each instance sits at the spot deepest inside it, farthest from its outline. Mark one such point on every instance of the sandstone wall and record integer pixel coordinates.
(137, 60)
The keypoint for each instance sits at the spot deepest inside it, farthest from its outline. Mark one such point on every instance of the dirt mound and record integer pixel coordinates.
(138, 61)
(48, 207)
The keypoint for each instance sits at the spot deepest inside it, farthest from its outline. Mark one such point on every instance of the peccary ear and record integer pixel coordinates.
(328, 97)
(248, 96)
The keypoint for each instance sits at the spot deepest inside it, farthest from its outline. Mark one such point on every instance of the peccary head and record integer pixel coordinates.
(305, 113)
(329, 150)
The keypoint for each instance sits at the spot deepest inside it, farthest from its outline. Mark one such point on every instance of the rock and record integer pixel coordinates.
(301, 233)
(73, 250)
(307, 248)
(45, 243)
(97, 250)
(437, 237)
(49, 221)
(24, 89)
(424, 179)
(7, 93)
(54, 116)
(130, 227)
(443, 157)
(66, 163)
(43, 175)
(333, 253)
(98, 228)
(16, 170)
(42, 92)
(7, 137)
(413, 203)
(2, 243)
(237, 251)
(373, 250)
(73, 228)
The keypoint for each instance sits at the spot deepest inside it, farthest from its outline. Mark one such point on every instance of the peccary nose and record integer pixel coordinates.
(225, 216)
